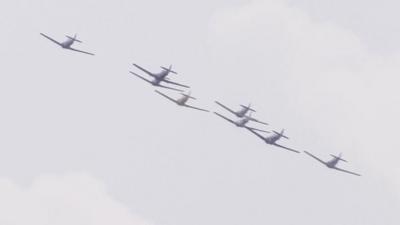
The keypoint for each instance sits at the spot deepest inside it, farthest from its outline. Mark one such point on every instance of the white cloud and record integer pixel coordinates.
(338, 96)
(72, 199)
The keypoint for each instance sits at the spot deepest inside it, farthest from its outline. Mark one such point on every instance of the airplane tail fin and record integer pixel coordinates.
(169, 69)
(281, 133)
(339, 157)
(74, 38)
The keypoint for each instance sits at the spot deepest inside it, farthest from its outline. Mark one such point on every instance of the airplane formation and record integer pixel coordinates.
(244, 114)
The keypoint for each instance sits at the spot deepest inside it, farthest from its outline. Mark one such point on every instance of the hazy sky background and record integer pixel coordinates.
(85, 142)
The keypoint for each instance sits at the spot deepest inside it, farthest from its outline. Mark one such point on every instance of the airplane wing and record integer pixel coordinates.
(166, 96)
(315, 157)
(223, 117)
(141, 77)
(290, 149)
(230, 110)
(73, 49)
(51, 39)
(189, 106)
(171, 88)
(158, 85)
(144, 70)
(257, 134)
(258, 129)
(346, 171)
(255, 120)
(170, 82)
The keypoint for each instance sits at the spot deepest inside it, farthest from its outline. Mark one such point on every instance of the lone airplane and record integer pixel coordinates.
(159, 77)
(241, 122)
(182, 100)
(68, 43)
(242, 112)
(272, 139)
(332, 163)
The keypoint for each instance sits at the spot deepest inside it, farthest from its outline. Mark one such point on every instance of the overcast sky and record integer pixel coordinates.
(86, 143)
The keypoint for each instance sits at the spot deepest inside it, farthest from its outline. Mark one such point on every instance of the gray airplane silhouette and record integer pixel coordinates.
(272, 139)
(68, 43)
(182, 101)
(333, 162)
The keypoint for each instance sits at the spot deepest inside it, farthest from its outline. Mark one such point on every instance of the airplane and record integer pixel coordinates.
(159, 77)
(332, 163)
(182, 100)
(240, 123)
(242, 112)
(68, 43)
(272, 139)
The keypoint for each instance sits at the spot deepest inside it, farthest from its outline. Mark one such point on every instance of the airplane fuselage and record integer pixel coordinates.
(241, 113)
(332, 163)
(161, 75)
(67, 43)
(182, 100)
(156, 81)
(249, 118)
(272, 139)
(242, 122)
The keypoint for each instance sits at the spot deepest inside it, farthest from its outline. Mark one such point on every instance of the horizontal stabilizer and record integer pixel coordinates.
(280, 134)
(188, 95)
(169, 69)
(248, 107)
(338, 157)
(73, 38)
